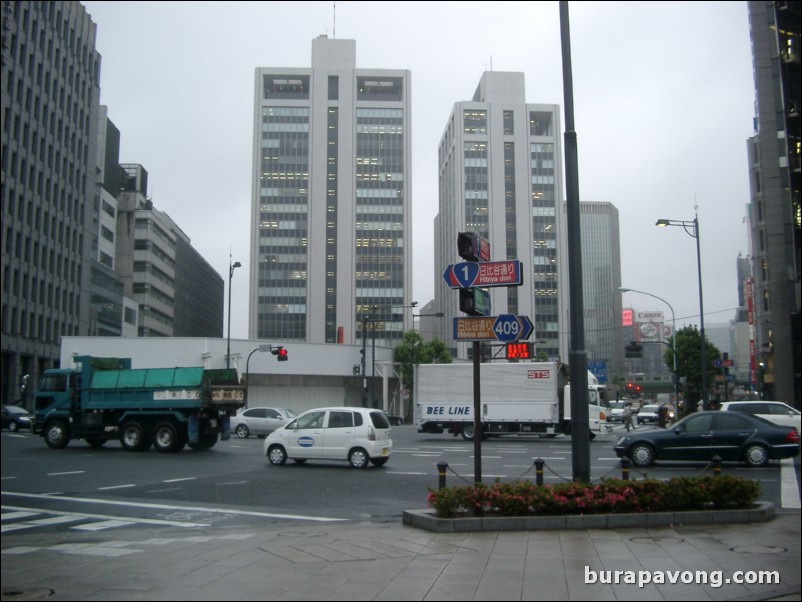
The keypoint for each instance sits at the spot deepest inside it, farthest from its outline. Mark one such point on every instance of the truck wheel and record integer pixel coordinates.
(134, 436)
(57, 434)
(468, 432)
(166, 438)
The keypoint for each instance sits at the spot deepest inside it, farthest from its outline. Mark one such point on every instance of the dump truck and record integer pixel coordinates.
(531, 398)
(104, 398)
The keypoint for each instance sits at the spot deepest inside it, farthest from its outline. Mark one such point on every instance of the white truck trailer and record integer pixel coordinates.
(516, 398)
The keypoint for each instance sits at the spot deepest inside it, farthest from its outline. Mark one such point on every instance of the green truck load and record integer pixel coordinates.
(104, 398)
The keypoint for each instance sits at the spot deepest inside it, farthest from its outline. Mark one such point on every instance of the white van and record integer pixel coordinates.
(773, 411)
(359, 435)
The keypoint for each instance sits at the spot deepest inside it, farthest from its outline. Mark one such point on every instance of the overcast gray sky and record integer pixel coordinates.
(663, 96)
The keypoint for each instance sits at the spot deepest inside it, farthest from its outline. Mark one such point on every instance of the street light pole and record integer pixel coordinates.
(231, 268)
(261, 348)
(673, 336)
(693, 232)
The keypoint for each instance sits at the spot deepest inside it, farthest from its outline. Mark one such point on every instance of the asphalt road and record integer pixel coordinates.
(233, 484)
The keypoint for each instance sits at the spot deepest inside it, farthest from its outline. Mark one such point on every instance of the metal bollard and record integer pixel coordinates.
(539, 463)
(716, 465)
(625, 468)
(441, 473)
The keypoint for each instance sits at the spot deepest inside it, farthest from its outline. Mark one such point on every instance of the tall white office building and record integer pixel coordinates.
(331, 198)
(500, 169)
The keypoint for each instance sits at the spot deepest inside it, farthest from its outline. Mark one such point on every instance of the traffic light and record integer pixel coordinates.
(519, 351)
(280, 353)
(634, 349)
(474, 301)
(472, 247)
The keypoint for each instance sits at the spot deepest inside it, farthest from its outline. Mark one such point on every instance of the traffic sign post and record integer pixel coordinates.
(505, 328)
(489, 274)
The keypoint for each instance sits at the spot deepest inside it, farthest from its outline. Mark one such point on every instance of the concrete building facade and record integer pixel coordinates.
(500, 174)
(50, 99)
(775, 174)
(331, 218)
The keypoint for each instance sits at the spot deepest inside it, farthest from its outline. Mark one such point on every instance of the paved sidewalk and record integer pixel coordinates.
(394, 562)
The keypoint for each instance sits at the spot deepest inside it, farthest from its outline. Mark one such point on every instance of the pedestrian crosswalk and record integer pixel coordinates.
(19, 520)
(15, 518)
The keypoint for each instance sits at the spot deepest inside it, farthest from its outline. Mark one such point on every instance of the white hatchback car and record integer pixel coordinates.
(773, 411)
(359, 435)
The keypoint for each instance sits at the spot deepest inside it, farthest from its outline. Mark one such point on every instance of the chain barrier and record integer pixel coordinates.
(625, 466)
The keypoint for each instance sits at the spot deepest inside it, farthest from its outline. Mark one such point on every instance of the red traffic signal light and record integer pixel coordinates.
(280, 353)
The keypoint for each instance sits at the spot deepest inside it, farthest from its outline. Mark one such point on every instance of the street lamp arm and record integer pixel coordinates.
(673, 345)
(695, 234)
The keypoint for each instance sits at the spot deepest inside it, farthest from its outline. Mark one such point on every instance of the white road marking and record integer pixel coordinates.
(789, 488)
(227, 511)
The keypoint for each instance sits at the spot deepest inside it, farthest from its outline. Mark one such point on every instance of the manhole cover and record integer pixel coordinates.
(31, 593)
(656, 540)
(759, 549)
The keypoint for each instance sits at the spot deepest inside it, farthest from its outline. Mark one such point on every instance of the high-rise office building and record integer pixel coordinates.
(50, 100)
(330, 220)
(601, 279)
(500, 170)
(775, 170)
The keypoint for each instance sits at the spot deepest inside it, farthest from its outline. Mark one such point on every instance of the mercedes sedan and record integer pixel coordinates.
(732, 436)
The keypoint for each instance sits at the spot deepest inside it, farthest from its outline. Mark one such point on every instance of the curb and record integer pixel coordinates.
(426, 519)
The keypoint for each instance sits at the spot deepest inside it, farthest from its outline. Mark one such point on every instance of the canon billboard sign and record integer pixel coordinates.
(650, 316)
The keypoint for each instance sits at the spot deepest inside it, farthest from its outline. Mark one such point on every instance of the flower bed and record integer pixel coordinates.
(612, 496)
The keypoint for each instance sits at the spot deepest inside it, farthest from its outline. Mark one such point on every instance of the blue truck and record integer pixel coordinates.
(105, 398)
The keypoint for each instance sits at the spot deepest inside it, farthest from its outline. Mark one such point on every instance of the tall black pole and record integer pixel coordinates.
(364, 368)
(580, 431)
(477, 417)
(231, 268)
(705, 402)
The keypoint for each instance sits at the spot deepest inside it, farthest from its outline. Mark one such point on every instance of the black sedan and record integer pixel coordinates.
(732, 436)
(394, 419)
(16, 417)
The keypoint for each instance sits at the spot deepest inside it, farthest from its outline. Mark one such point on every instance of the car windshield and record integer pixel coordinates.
(649, 409)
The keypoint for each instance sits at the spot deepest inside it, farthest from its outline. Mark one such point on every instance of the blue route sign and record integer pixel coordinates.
(505, 328)
(469, 274)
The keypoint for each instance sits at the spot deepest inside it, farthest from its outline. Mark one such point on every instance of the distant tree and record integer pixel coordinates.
(689, 358)
(412, 351)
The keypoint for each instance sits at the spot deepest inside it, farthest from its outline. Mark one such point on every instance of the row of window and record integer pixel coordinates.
(35, 325)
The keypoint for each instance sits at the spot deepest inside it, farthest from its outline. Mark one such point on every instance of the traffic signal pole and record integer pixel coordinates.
(477, 417)
(580, 430)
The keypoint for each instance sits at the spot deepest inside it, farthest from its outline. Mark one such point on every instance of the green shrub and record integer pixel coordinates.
(524, 498)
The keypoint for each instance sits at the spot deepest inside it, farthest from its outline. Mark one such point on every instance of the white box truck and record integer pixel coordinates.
(516, 398)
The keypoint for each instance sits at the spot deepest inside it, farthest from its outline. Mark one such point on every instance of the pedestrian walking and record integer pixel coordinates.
(627, 416)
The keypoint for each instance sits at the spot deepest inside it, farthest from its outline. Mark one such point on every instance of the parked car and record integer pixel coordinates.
(260, 421)
(394, 419)
(359, 435)
(773, 411)
(16, 417)
(648, 414)
(736, 437)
